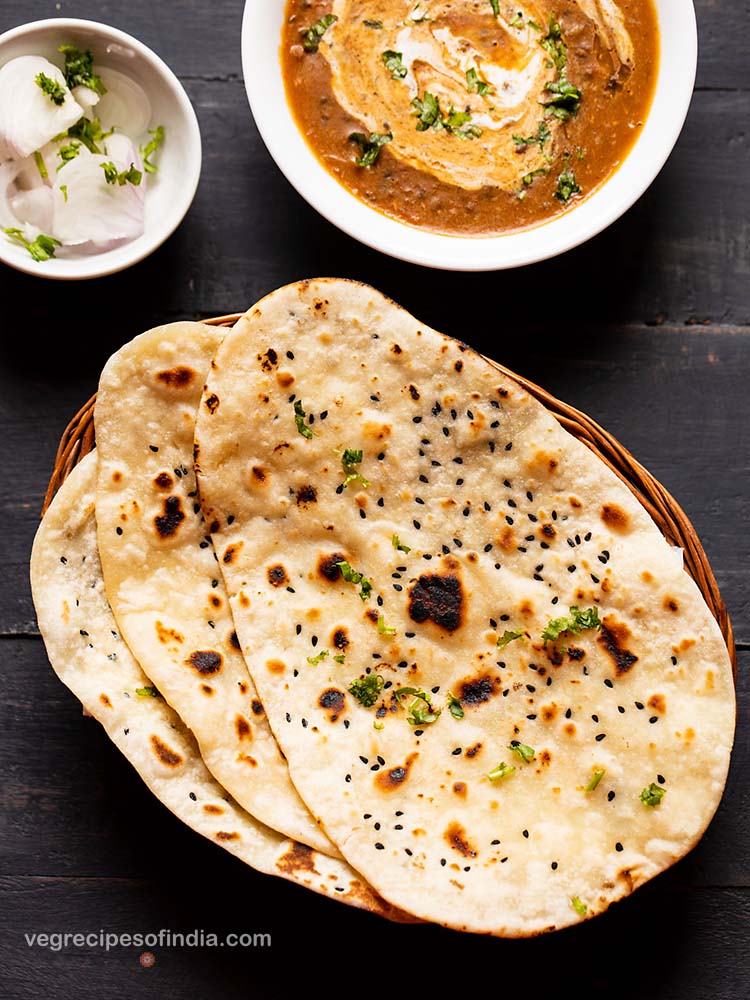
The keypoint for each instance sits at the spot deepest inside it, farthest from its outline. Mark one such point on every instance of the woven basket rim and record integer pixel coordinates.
(78, 439)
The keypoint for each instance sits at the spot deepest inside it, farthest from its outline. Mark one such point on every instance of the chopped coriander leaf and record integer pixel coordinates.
(652, 795)
(129, 176)
(427, 110)
(474, 83)
(41, 166)
(311, 36)
(377, 25)
(41, 249)
(151, 147)
(596, 777)
(378, 725)
(501, 771)
(147, 692)
(566, 100)
(54, 90)
(455, 707)
(367, 689)
(394, 65)
(575, 623)
(79, 69)
(543, 134)
(64, 191)
(495, 4)
(316, 659)
(299, 419)
(567, 186)
(68, 153)
(534, 25)
(384, 629)
(421, 710)
(529, 178)
(352, 576)
(517, 21)
(370, 148)
(339, 657)
(349, 460)
(398, 544)
(526, 754)
(507, 637)
(553, 44)
(579, 906)
(89, 131)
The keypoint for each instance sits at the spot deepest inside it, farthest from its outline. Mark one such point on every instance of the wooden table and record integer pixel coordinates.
(647, 329)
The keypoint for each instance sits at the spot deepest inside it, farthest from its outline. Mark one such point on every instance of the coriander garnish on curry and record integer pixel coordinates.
(470, 117)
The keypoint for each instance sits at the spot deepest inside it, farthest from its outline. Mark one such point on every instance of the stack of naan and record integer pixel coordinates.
(357, 608)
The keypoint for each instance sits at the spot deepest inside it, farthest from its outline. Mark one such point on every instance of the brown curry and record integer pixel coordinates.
(471, 117)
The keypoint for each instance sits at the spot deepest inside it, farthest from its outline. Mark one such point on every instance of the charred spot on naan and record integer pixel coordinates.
(612, 638)
(306, 495)
(164, 753)
(439, 599)
(180, 377)
(163, 481)
(299, 858)
(394, 777)
(243, 728)
(257, 707)
(231, 552)
(340, 638)
(234, 641)
(457, 837)
(333, 701)
(172, 516)
(277, 575)
(615, 517)
(205, 661)
(269, 360)
(212, 403)
(328, 566)
(475, 691)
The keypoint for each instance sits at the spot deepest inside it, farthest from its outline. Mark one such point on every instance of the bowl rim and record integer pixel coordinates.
(612, 198)
(118, 259)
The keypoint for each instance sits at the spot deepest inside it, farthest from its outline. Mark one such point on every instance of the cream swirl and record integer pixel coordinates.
(490, 69)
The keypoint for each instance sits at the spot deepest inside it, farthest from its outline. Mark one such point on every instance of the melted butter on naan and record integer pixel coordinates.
(437, 51)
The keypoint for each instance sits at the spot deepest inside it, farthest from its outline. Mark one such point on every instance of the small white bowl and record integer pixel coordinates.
(261, 40)
(171, 190)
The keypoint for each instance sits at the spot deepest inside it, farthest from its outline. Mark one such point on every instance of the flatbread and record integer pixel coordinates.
(90, 657)
(619, 737)
(161, 575)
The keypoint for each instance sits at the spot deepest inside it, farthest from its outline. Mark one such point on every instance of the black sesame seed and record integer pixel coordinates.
(118, 529)
(553, 866)
(621, 710)
(600, 736)
(608, 683)
(407, 851)
(653, 719)
(381, 456)
(571, 568)
(348, 777)
(379, 847)
(639, 704)
(457, 752)
(417, 525)
(526, 834)
(416, 420)
(610, 796)
(153, 447)
(619, 847)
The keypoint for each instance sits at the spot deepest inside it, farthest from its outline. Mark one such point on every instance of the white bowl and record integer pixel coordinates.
(261, 39)
(171, 190)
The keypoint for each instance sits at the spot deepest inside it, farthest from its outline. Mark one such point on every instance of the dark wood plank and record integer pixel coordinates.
(664, 943)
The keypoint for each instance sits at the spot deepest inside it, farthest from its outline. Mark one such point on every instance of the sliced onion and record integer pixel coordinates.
(34, 208)
(28, 117)
(8, 173)
(86, 97)
(96, 212)
(125, 105)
